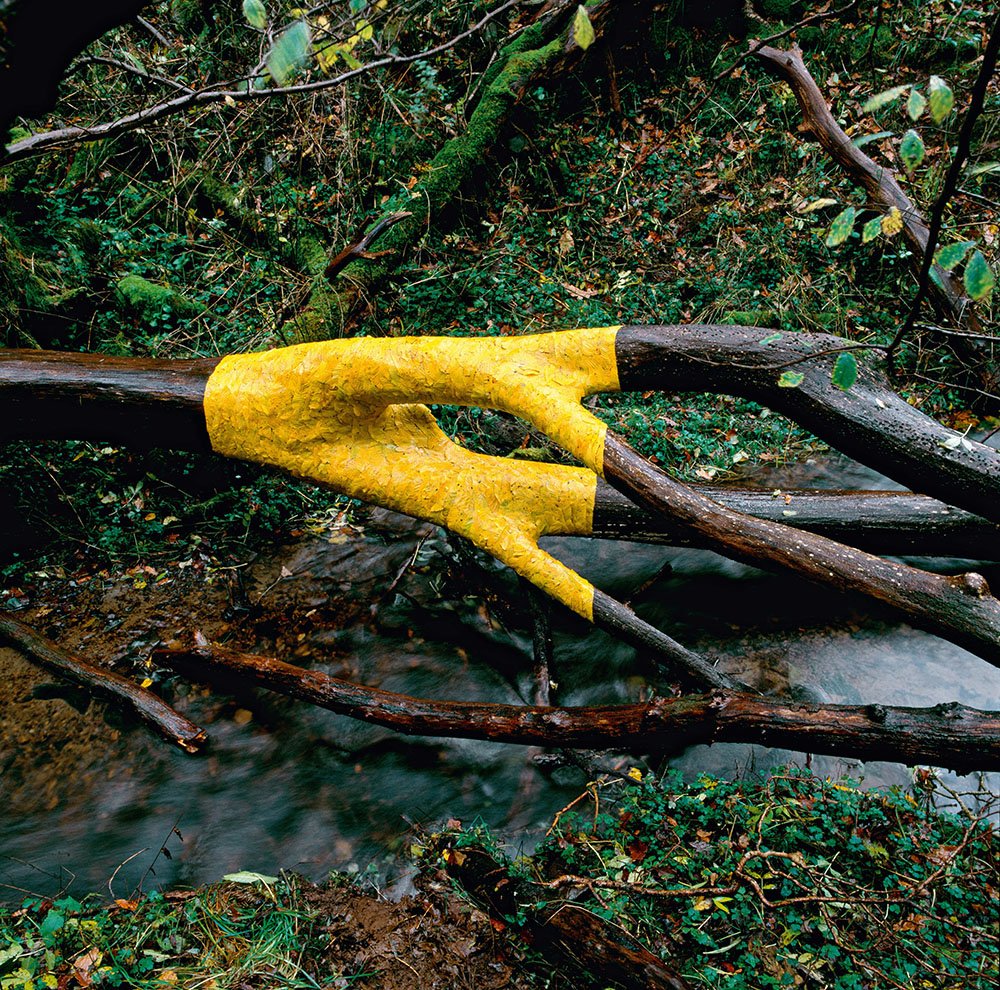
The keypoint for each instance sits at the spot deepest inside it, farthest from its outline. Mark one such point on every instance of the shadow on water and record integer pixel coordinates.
(285, 785)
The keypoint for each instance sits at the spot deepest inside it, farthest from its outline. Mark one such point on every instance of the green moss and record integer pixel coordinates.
(323, 317)
(152, 302)
(753, 318)
(309, 255)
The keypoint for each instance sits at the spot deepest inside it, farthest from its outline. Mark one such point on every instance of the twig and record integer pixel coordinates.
(133, 69)
(63, 136)
(972, 114)
(154, 31)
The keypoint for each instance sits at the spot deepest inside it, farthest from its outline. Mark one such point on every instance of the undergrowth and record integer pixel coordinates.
(790, 881)
(793, 881)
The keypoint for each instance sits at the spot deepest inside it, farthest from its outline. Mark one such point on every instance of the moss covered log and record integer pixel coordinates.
(543, 50)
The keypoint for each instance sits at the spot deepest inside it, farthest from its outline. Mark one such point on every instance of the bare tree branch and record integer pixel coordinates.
(960, 738)
(65, 137)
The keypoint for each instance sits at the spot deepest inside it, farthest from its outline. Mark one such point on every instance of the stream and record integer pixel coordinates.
(284, 785)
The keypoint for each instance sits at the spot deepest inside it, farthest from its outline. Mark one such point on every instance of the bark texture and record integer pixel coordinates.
(881, 522)
(953, 736)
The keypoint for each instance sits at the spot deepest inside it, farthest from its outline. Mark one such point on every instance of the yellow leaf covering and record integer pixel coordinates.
(347, 413)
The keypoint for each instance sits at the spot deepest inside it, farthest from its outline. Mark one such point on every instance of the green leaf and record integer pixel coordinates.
(916, 104)
(772, 338)
(790, 379)
(255, 13)
(583, 30)
(884, 98)
(845, 371)
(911, 150)
(860, 142)
(289, 53)
(358, 5)
(871, 230)
(979, 280)
(942, 99)
(952, 254)
(52, 922)
(841, 227)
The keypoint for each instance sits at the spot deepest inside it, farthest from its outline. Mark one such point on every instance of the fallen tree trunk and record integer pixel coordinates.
(601, 953)
(120, 691)
(953, 736)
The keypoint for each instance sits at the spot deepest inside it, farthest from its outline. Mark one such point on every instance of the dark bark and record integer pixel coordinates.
(953, 736)
(959, 608)
(870, 422)
(600, 953)
(673, 659)
(49, 395)
(880, 522)
(119, 691)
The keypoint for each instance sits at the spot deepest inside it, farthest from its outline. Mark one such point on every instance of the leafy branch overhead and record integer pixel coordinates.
(978, 279)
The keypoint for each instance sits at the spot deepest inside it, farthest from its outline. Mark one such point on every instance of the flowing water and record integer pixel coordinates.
(285, 785)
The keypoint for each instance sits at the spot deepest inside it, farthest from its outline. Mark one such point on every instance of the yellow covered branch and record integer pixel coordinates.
(345, 413)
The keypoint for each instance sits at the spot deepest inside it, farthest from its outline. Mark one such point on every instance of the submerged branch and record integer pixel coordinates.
(120, 691)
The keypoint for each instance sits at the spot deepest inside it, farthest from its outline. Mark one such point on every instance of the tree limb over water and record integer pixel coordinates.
(954, 736)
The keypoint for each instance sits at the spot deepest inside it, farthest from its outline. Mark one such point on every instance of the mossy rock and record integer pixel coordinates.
(153, 302)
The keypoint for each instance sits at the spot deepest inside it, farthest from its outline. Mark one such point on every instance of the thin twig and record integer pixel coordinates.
(972, 114)
(46, 140)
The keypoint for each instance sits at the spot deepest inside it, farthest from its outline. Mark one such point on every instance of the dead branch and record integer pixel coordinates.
(880, 522)
(120, 691)
(877, 180)
(954, 736)
(869, 422)
(68, 137)
(362, 395)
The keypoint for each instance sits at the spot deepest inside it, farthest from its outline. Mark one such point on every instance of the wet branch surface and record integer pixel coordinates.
(119, 691)
(869, 422)
(960, 738)
(880, 522)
